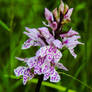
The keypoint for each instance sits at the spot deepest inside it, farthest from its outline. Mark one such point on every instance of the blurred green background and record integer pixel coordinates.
(15, 15)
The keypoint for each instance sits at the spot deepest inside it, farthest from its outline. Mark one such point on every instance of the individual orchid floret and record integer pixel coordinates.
(52, 73)
(45, 32)
(25, 72)
(32, 33)
(34, 39)
(32, 62)
(70, 40)
(71, 43)
(50, 52)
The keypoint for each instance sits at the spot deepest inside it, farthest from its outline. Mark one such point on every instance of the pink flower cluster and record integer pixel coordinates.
(48, 56)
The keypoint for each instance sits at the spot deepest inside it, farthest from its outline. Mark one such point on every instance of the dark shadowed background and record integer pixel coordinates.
(15, 15)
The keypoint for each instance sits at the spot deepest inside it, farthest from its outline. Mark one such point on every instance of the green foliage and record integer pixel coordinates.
(17, 14)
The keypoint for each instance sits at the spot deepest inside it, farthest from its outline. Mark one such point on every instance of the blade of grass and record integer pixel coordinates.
(84, 84)
(4, 25)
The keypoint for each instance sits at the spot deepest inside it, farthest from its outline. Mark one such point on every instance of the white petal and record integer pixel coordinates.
(57, 43)
(20, 59)
(32, 33)
(25, 79)
(73, 53)
(61, 66)
(57, 56)
(45, 24)
(45, 32)
(46, 76)
(55, 77)
(27, 44)
(19, 71)
(42, 51)
(32, 62)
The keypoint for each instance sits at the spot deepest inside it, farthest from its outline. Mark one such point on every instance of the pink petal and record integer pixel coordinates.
(46, 34)
(53, 25)
(69, 13)
(27, 44)
(48, 15)
(72, 42)
(33, 30)
(72, 32)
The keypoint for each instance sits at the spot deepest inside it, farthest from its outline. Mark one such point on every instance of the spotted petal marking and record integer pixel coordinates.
(55, 77)
(19, 71)
(28, 44)
(50, 52)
